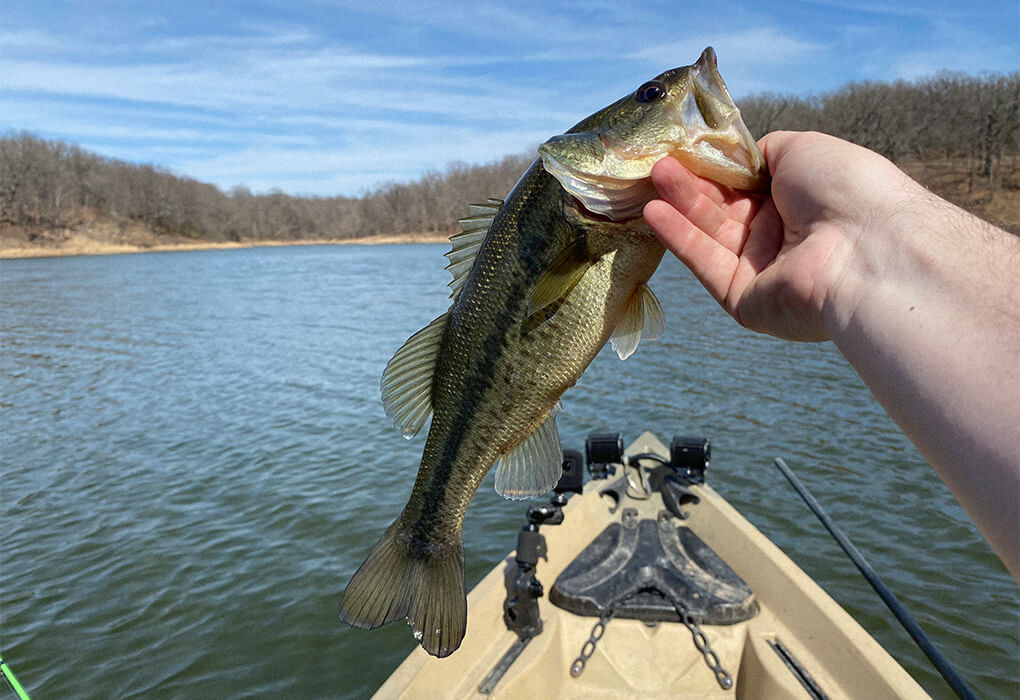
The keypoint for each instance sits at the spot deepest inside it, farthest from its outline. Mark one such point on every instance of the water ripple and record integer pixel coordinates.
(195, 459)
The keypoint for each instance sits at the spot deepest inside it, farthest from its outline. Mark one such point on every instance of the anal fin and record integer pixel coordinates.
(533, 467)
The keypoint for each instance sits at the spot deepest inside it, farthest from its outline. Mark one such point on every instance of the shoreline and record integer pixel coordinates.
(91, 247)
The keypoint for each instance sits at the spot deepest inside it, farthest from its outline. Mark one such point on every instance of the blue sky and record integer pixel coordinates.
(336, 97)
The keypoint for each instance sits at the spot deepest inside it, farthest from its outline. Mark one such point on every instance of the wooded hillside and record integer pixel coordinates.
(958, 134)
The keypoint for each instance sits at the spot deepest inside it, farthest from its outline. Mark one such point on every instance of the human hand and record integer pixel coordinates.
(917, 294)
(780, 263)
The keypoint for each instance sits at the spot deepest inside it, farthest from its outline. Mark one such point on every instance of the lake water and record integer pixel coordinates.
(195, 459)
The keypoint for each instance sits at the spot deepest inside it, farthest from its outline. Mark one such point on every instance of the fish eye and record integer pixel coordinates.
(650, 91)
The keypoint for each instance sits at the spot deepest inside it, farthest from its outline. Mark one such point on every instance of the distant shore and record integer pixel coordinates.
(93, 247)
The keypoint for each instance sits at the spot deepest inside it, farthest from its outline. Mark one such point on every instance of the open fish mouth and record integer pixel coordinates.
(720, 148)
(698, 123)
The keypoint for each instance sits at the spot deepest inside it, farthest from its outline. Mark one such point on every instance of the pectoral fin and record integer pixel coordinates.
(534, 466)
(563, 274)
(642, 317)
(407, 379)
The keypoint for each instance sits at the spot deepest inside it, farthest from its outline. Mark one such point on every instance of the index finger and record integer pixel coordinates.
(719, 211)
(711, 262)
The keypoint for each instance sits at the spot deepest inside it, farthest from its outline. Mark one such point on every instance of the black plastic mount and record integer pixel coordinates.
(690, 456)
(523, 589)
(651, 568)
(645, 568)
(603, 450)
(572, 479)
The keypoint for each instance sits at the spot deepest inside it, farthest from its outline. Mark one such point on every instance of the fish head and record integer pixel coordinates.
(606, 160)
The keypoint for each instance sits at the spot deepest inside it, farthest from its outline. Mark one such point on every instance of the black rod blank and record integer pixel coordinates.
(941, 663)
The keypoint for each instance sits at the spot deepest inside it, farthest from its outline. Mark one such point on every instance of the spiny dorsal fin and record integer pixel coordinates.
(642, 317)
(407, 379)
(466, 244)
(534, 466)
(562, 275)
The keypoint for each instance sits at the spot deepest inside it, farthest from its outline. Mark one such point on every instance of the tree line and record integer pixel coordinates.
(950, 115)
(53, 185)
(49, 185)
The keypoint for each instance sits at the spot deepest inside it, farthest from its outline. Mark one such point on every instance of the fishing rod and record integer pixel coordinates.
(9, 676)
(941, 663)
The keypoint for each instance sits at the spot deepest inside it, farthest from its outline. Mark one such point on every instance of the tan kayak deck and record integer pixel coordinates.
(634, 659)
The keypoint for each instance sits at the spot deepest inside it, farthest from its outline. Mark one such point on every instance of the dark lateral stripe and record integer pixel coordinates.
(534, 190)
(477, 385)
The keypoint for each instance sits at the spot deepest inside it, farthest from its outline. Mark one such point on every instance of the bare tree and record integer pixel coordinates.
(971, 125)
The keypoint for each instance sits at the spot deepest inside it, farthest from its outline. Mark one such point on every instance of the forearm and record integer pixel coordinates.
(921, 297)
(933, 328)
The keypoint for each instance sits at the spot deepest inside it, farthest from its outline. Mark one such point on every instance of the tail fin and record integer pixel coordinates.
(424, 585)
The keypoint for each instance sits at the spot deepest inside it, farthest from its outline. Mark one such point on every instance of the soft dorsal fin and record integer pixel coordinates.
(562, 275)
(534, 466)
(642, 317)
(407, 379)
(466, 244)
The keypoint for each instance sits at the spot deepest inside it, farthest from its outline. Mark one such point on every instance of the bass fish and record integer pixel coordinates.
(541, 281)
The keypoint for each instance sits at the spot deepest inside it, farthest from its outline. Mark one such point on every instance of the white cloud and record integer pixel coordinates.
(354, 93)
(360, 167)
(263, 80)
(29, 40)
(919, 64)
(759, 45)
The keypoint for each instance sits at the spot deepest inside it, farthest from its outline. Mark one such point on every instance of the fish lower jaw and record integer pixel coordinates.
(726, 163)
(728, 155)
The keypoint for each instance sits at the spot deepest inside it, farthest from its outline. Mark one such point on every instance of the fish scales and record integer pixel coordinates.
(562, 267)
(495, 380)
(474, 370)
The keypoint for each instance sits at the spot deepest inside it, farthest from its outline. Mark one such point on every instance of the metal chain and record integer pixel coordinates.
(722, 676)
(593, 639)
(701, 642)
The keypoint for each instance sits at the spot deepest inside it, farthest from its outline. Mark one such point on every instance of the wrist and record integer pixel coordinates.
(887, 254)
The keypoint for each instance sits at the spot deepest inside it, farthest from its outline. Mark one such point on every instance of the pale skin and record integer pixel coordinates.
(922, 298)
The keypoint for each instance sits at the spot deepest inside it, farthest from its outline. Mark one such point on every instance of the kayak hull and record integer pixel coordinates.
(637, 659)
